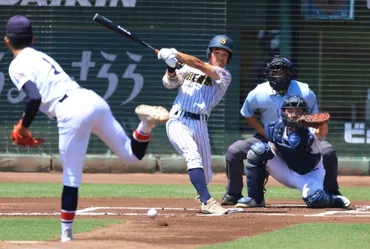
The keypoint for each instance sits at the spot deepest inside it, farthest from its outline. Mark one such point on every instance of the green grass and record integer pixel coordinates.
(306, 236)
(46, 228)
(150, 191)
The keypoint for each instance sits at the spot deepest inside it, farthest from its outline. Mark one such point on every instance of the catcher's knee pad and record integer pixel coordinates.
(318, 199)
(258, 154)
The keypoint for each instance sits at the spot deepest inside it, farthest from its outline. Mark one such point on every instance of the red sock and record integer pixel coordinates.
(140, 137)
(67, 216)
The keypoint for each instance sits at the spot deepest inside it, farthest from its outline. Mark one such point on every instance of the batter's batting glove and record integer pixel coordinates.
(172, 62)
(167, 53)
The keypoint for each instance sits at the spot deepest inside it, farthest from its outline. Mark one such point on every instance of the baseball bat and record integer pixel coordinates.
(105, 22)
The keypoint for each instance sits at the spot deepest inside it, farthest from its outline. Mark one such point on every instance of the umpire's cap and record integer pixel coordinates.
(221, 41)
(19, 25)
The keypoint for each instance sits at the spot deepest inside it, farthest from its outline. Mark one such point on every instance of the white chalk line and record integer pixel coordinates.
(137, 208)
(360, 212)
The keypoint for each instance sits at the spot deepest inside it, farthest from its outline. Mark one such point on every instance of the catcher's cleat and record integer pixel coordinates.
(212, 207)
(230, 199)
(66, 235)
(152, 115)
(339, 201)
(248, 202)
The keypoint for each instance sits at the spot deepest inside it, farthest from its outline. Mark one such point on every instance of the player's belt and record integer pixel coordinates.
(195, 116)
(62, 99)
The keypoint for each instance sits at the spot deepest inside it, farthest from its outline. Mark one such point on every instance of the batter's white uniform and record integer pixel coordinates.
(308, 183)
(81, 113)
(197, 94)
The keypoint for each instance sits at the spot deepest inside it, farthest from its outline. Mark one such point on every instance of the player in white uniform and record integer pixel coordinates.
(294, 158)
(200, 86)
(78, 111)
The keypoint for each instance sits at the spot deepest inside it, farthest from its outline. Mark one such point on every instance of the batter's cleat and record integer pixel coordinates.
(339, 201)
(229, 199)
(248, 202)
(66, 235)
(212, 207)
(152, 115)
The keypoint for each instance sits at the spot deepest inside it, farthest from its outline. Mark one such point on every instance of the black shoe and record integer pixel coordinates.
(229, 199)
(340, 201)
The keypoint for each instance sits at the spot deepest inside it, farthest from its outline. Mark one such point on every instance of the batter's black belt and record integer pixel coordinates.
(62, 99)
(200, 117)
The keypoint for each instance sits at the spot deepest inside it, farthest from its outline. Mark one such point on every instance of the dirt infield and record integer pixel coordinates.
(178, 225)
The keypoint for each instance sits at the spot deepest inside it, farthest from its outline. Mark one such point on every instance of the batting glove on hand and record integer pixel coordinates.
(171, 62)
(167, 53)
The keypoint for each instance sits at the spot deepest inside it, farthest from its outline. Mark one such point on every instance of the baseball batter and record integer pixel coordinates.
(200, 86)
(266, 98)
(78, 111)
(294, 159)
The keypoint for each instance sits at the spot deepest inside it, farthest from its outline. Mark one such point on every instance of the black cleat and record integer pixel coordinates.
(229, 199)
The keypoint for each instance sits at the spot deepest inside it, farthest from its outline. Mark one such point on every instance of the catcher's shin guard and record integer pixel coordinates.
(255, 182)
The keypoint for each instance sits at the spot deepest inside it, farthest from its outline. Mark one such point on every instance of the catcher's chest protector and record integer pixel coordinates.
(295, 150)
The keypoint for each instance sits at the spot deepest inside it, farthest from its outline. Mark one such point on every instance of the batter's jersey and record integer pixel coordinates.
(51, 81)
(267, 101)
(197, 92)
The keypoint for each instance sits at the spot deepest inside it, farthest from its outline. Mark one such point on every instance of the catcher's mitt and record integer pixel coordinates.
(24, 140)
(314, 120)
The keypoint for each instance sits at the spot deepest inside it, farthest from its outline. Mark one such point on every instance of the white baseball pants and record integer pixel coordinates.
(82, 113)
(191, 140)
(307, 184)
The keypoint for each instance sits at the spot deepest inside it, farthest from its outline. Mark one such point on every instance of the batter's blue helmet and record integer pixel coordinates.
(220, 41)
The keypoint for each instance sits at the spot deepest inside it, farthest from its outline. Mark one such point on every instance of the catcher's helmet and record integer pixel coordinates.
(279, 64)
(294, 101)
(220, 41)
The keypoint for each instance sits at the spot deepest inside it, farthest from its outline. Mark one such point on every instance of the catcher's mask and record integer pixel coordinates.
(293, 101)
(279, 72)
(221, 41)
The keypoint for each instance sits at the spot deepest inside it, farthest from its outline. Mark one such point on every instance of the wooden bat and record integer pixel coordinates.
(105, 22)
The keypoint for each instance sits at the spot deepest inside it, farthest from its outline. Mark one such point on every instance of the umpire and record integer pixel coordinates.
(266, 99)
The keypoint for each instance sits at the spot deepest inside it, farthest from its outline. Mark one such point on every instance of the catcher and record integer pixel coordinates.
(292, 156)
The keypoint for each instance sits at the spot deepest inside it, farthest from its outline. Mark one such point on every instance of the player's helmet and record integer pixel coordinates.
(220, 41)
(279, 72)
(294, 101)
